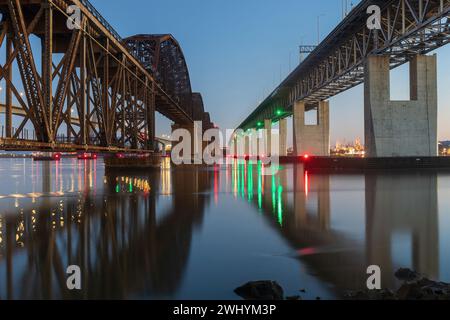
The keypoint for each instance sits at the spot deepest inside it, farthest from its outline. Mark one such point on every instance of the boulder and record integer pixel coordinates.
(406, 274)
(261, 290)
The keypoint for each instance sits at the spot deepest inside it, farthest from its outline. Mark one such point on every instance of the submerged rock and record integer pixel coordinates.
(424, 289)
(261, 290)
(405, 274)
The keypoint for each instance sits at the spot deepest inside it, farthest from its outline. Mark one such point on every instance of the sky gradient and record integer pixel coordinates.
(237, 51)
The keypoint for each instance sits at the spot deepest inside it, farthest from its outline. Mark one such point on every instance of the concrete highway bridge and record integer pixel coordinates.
(352, 54)
(91, 90)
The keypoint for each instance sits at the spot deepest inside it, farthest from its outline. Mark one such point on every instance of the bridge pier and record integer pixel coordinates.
(251, 141)
(283, 138)
(268, 137)
(401, 128)
(238, 145)
(312, 139)
(247, 142)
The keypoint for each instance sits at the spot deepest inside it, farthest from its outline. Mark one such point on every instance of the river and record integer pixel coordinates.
(198, 233)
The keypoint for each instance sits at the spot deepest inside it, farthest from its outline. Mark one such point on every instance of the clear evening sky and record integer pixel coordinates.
(236, 49)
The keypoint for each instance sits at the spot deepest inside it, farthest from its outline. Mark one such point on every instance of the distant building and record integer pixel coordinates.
(355, 148)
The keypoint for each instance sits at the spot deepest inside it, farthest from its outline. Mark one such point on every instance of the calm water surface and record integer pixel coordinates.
(200, 233)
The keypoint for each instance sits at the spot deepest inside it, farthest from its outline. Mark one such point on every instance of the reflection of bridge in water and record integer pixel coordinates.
(132, 233)
(117, 237)
(299, 204)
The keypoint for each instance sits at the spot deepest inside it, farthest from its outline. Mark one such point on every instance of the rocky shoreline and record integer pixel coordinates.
(415, 287)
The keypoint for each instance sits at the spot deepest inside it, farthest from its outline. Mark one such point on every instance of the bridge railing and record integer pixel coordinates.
(100, 18)
(25, 134)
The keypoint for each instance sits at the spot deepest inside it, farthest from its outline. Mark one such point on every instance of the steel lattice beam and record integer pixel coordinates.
(96, 77)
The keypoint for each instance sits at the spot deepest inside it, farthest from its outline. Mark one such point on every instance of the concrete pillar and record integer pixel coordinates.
(401, 128)
(247, 144)
(233, 146)
(259, 143)
(240, 146)
(312, 139)
(283, 138)
(253, 137)
(268, 137)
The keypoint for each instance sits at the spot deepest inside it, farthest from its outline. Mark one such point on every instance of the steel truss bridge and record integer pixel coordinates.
(89, 89)
(408, 27)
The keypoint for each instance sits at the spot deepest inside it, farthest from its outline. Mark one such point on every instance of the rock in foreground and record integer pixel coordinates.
(415, 287)
(260, 290)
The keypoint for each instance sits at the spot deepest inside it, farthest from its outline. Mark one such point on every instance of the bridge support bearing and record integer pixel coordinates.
(401, 128)
(312, 139)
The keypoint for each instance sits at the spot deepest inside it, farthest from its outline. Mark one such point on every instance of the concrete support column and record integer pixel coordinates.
(233, 146)
(259, 142)
(312, 139)
(283, 138)
(247, 144)
(401, 128)
(253, 138)
(240, 145)
(268, 137)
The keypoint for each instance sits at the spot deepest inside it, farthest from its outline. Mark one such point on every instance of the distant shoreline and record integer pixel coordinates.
(15, 156)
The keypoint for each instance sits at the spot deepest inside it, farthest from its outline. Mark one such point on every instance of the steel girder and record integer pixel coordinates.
(199, 113)
(162, 57)
(98, 81)
(408, 27)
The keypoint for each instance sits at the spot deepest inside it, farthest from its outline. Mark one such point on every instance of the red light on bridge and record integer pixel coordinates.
(57, 156)
(306, 156)
(307, 252)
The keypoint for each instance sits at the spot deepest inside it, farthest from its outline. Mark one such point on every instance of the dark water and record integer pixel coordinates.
(200, 233)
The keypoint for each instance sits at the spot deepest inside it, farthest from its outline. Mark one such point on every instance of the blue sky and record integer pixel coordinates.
(235, 49)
